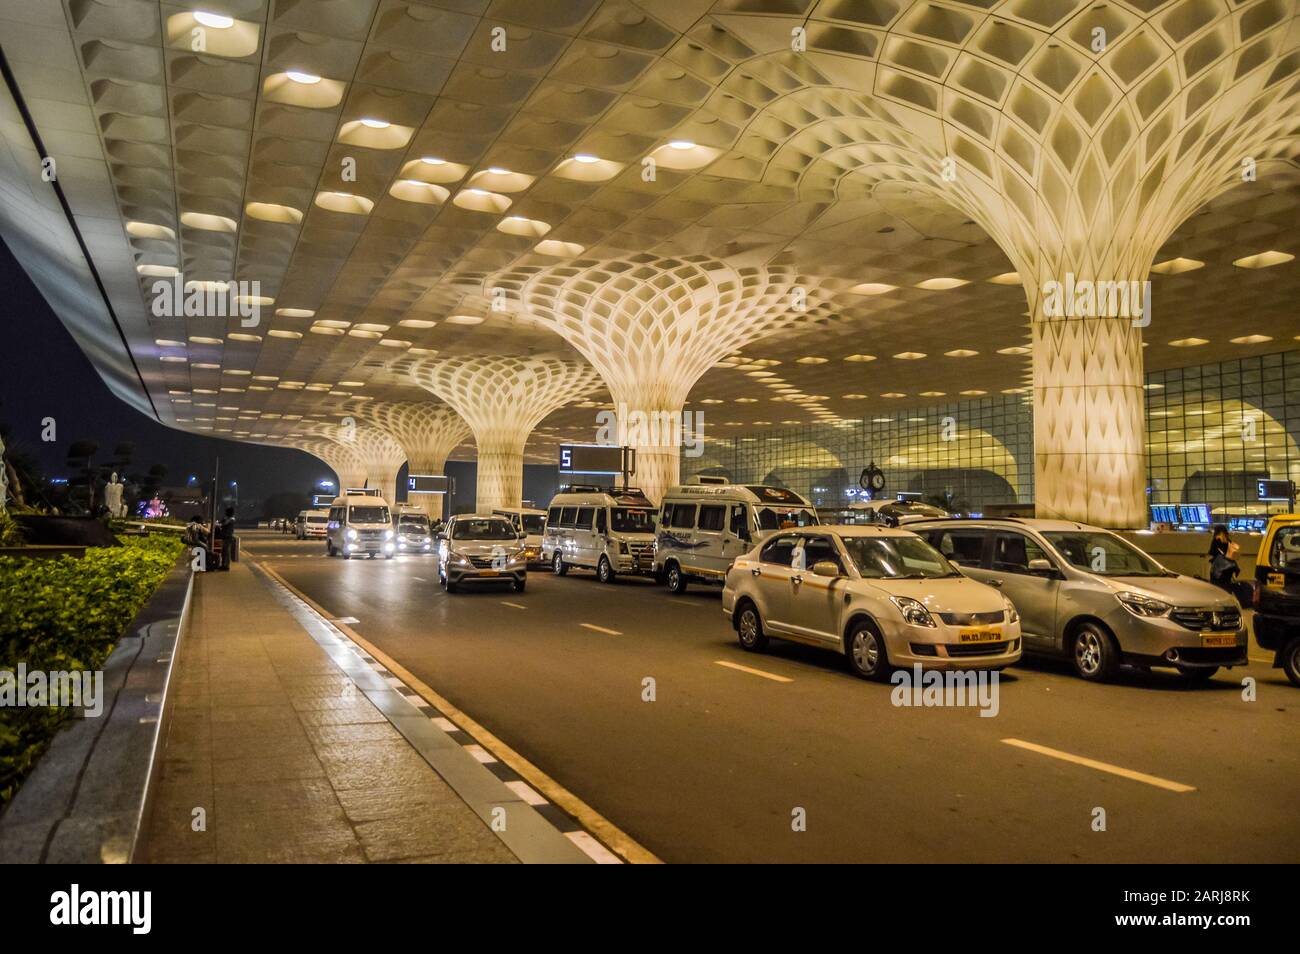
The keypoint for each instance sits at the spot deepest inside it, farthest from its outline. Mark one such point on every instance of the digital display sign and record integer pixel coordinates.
(1274, 489)
(594, 459)
(428, 484)
(1164, 513)
(1194, 513)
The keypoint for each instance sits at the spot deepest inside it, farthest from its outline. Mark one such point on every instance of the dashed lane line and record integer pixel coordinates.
(600, 629)
(515, 605)
(753, 672)
(1146, 779)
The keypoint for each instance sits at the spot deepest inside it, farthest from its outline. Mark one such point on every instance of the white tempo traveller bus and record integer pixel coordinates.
(602, 529)
(704, 527)
(360, 522)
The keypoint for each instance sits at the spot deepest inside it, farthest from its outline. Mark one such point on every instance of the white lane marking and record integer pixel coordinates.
(1102, 766)
(445, 724)
(419, 579)
(525, 791)
(515, 605)
(480, 753)
(753, 672)
(594, 849)
(600, 629)
(345, 620)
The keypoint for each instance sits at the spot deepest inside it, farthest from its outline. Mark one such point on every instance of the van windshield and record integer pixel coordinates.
(631, 520)
(780, 518)
(534, 523)
(369, 515)
(317, 518)
(493, 528)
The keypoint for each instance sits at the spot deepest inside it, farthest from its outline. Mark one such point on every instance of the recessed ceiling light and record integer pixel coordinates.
(941, 284)
(910, 355)
(1176, 266)
(306, 79)
(961, 353)
(682, 144)
(1014, 349)
(872, 288)
(464, 319)
(586, 158)
(1188, 342)
(893, 394)
(932, 394)
(376, 123)
(811, 359)
(218, 21)
(1263, 259)
(974, 392)
(853, 397)
(1006, 278)
(860, 357)
(432, 160)
(1251, 339)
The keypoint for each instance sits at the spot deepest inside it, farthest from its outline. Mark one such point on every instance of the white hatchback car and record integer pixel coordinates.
(882, 596)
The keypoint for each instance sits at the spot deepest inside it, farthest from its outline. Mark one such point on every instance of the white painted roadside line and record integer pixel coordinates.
(753, 672)
(1102, 766)
(515, 605)
(600, 629)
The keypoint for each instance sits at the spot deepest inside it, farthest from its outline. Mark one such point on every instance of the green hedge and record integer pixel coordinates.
(67, 615)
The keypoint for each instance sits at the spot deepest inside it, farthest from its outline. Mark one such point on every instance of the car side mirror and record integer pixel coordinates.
(826, 568)
(1041, 565)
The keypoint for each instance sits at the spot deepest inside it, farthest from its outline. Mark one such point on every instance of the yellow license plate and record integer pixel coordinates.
(980, 634)
(489, 573)
(1226, 639)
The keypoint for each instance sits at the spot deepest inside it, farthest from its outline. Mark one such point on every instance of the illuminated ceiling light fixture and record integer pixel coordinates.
(681, 144)
(306, 79)
(1251, 339)
(1188, 342)
(1264, 259)
(1176, 266)
(432, 160)
(376, 123)
(218, 21)
(586, 158)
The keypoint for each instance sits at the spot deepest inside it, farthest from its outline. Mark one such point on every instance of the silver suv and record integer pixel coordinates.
(1091, 596)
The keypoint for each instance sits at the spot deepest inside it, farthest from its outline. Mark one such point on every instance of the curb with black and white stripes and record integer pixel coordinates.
(561, 820)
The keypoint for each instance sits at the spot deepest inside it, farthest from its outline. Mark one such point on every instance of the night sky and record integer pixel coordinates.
(44, 374)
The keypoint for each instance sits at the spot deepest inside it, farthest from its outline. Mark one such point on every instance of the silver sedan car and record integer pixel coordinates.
(881, 596)
(1091, 596)
(475, 549)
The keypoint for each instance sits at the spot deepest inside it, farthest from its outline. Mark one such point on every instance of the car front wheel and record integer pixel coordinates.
(749, 629)
(866, 652)
(1095, 655)
(676, 579)
(604, 572)
(557, 564)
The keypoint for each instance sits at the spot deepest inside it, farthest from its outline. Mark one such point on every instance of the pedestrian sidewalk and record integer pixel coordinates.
(283, 745)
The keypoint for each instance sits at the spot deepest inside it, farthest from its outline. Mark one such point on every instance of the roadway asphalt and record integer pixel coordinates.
(717, 766)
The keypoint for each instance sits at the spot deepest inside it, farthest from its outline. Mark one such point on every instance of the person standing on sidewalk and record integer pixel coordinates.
(226, 531)
(1222, 556)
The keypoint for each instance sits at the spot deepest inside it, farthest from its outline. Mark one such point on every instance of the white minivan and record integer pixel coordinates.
(360, 523)
(528, 523)
(602, 529)
(704, 527)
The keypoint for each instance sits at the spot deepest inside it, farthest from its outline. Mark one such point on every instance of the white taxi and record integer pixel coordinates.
(882, 596)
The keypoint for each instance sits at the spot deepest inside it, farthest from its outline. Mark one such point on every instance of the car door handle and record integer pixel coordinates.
(993, 582)
(755, 572)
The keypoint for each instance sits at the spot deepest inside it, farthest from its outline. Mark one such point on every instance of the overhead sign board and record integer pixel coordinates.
(594, 459)
(1274, 489)
(428, 484)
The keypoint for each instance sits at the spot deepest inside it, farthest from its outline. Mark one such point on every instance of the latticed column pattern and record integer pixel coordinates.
(427, 431)
(503, 398)
(652, 326)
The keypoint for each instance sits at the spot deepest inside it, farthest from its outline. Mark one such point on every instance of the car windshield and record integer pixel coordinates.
(413, 524)
(485, 529)
(369, 515)
(781, 518)
(534, 523)
(631, 520)
(1103, 553)
(899, 558)
(317, 518)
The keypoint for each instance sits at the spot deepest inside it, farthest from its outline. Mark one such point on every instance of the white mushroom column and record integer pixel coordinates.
(346, 462)
(379, 455)
(427, 431)
(652, 327)
(504, 399)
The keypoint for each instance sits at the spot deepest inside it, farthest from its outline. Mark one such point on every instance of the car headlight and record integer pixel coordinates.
(388, 534)
(518, 556)
(914, 611)
(1140, 605)
(428, 539)
(352, 534)
(1012, 615)
(462, 559)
